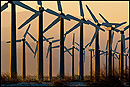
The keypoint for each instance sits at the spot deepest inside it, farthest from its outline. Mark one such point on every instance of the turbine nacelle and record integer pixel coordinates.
(41, 9)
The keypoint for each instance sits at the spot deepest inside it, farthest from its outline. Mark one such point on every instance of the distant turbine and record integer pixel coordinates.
(126, 55)
(72, 48)
(13, 63)
(60, 18)
(81, 21)
(96, 37)
(23, 59)
(109, 25)
(91, 50)
(49, 51)
(122, 51)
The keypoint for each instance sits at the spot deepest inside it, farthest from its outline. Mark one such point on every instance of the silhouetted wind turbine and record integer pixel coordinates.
(91, 55)
(126, 55)
(109, 25)
(96, 37)
(60, 18)
(37, 42)
(72, 48)
(49, 51)
(122, 51)
(40, 39)
(13, 63)
(81, 21)
(23, 56)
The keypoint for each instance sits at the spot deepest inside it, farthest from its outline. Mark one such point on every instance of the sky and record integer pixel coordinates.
(113, 11)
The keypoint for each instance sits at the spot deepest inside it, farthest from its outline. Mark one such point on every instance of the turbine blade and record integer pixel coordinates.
(4, 7)
(56, 46)
(52, 24)
(103, 18)
(113, 56)
(29, 46)
(123, 39)
(8, 42)
(111, 40)
(24, 6)
(39, 3)
(67, 50)
(116, 56)
(76, 48)
(59, 6)
(46, 39)
(73, 38)
(77, 43)
(91, 23)
(116, 47)
(52, 12)
(72, 17)
(18, 40)
(115, 52)
(116, 30)
(30, 19)
(26, 31)
(118, 25)
(76, 26)
(126, 28)
(81, 9)
(48, 50)
(87, 45)
(94, 18)
(102, 53)
(55, 40)
(95, 34)
(32, 36)
(36, 50)
(107, 45)
(56, 14)
(128, 51)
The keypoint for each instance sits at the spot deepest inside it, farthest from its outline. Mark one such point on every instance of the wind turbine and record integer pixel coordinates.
(37, 42)
(122, 50)
(49, 51)
(109, 25)
(126, 55)
(97, 56)
(60, 18)
(72, 48)
(23, 56)
(13, 63)
(81, 21)
(91, 55)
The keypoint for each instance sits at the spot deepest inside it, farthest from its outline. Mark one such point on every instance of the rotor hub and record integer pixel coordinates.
(41, 9)
(122, 32)
(83, 19)
(23, 39)
(62, 14)
(50, 43)
(98, 24)
(112, 28)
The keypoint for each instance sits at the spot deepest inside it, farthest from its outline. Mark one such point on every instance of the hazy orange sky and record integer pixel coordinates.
(114, 11)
